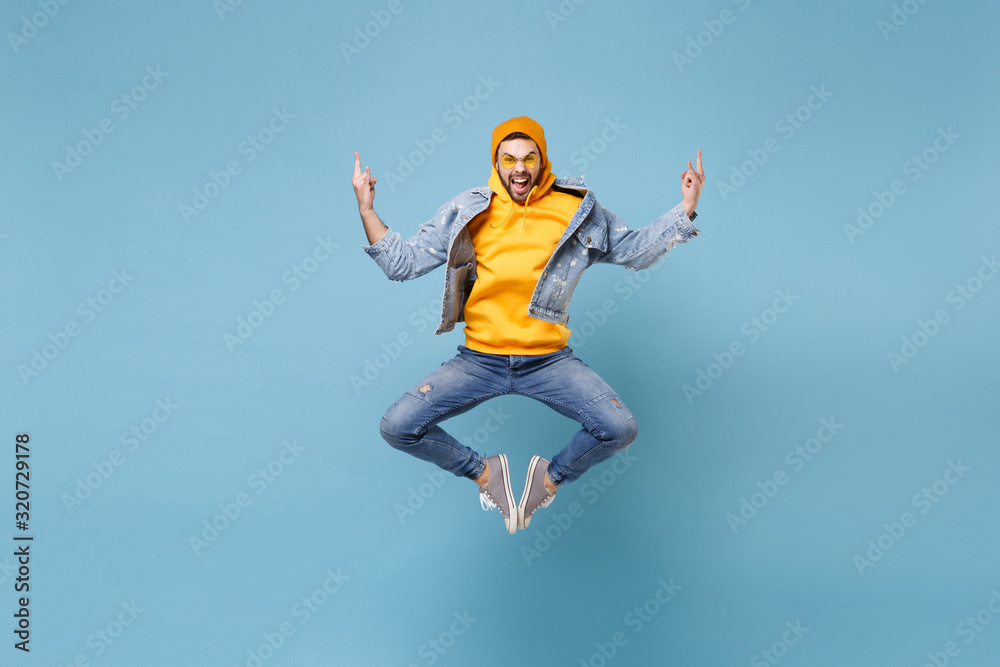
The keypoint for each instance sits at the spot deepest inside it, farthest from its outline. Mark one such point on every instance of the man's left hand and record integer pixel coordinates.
(691, 182)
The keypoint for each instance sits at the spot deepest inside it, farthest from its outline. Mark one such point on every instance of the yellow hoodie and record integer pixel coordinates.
(513, 246)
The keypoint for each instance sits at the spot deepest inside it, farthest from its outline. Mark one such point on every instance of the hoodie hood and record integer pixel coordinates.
(545, 178)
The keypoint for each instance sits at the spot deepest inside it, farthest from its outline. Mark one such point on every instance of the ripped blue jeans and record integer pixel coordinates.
(560, 380)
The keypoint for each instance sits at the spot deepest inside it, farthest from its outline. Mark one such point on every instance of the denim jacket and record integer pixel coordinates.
(594, 234)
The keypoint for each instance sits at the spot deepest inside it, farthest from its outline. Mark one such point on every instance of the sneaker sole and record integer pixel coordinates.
(521, 523)
(505, 472)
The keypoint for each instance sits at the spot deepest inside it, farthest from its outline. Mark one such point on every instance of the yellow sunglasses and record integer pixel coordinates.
(508, 161)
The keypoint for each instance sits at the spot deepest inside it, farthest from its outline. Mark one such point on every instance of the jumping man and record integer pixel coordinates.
(514, 251)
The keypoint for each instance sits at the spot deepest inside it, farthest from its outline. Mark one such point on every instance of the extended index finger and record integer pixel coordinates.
(357, 164)
(698, 162)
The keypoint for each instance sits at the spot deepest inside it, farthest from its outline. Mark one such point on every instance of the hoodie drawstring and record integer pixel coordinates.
(524, 216)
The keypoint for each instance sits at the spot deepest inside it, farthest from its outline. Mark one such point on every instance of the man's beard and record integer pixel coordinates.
(516, 193)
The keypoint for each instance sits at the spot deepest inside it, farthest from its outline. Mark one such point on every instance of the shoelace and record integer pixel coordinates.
(486, 502)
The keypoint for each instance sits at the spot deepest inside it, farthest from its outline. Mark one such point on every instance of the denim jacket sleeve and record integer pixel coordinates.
(641, 248)
(424, 251)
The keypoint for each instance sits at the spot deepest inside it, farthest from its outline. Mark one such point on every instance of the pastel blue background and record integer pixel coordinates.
(337, 506)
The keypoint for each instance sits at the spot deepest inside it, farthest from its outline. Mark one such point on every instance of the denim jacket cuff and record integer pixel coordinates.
(684, 223)
(379, 246)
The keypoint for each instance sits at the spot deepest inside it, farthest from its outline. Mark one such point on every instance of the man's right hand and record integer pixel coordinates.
(364, 185)
(364, 190)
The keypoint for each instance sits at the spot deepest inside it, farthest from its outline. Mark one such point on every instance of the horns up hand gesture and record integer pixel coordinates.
(364, 190)
(364, 185)
(691, 182)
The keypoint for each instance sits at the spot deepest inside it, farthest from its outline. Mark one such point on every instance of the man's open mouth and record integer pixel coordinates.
(520, 185)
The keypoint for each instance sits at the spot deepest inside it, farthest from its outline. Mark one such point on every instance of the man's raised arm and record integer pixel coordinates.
(364, 190)
(399, 259)
(641, 248)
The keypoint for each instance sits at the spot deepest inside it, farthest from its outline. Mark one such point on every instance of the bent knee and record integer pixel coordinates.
(619, 425)
(398, 426)
(396, 433)
(388, 433)
(392, 427)
(625, 432)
